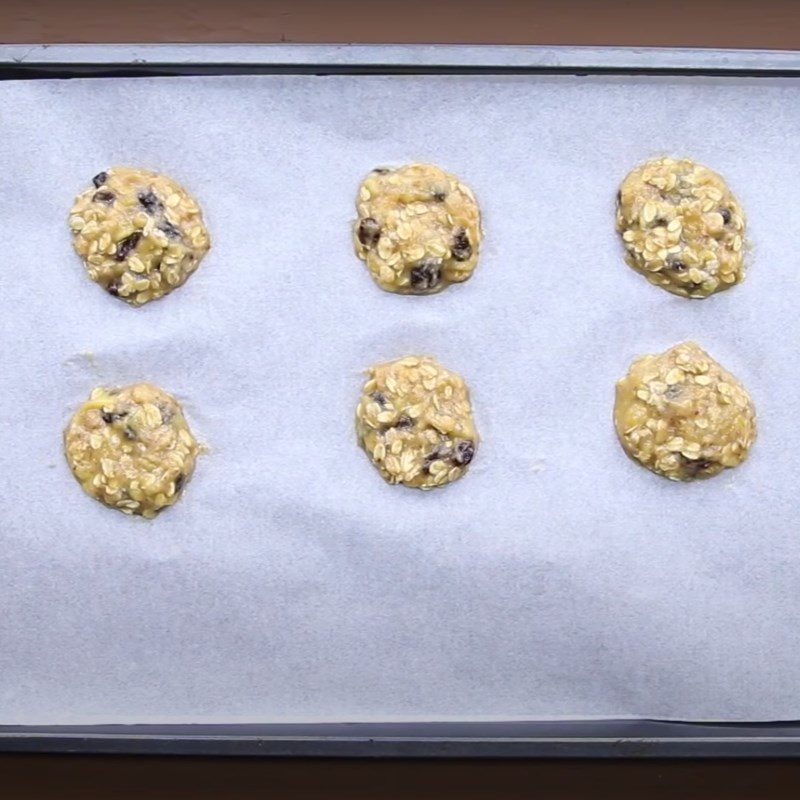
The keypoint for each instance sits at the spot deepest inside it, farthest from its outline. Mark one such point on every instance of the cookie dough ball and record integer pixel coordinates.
(419, 229)
(139, 233)
(131, 448)
(682, 227)
(682, 415)
(414, 421)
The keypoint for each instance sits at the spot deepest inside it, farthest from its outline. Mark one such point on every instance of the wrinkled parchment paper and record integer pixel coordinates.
(558, 579)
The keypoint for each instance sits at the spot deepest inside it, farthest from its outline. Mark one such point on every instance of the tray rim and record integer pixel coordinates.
(542, 739)
(19, 60)
(607, 739)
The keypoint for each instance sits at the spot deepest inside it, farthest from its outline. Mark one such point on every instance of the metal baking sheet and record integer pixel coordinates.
(430, 737)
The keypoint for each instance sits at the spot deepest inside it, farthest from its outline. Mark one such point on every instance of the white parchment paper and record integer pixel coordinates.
(556, 580)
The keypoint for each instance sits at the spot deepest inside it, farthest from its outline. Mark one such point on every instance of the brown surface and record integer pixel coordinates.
(701, 23)
(83, 778)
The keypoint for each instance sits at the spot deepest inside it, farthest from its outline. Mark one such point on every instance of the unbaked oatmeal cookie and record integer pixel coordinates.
(419, 229)
(414, 421)
(140, 234)
(682, 415)
(682, 227)
(131, 448)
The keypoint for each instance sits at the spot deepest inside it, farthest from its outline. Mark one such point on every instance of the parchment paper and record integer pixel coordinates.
(558, 579)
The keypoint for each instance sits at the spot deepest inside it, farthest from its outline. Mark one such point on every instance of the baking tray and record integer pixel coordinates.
(603, 739)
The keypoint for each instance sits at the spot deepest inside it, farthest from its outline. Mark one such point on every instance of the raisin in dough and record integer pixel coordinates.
(418, 230)
(139, 233)
(682, 415)
(131, 448)
(414, 421)
(682, 227)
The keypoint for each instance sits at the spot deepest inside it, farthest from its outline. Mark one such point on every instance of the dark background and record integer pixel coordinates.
(692, 23)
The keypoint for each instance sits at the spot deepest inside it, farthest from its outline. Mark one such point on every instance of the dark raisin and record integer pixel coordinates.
(127, 245)
(381, 170)
(659, 222)
(99, 179)
(379, 398)
(619, 198)
(463, 452)
(113, 289)
(166, 413)
(168, 228)
(678, 266)
(726, 215)
(150, 202)
(103, 197)
(695, 465)
(673, 391)
(404, 422)
(439, 195)
(129, 432)
(179, 481)
(462, 249)
(426, 274)
(440, 453)
(113, 416)
(369, 232)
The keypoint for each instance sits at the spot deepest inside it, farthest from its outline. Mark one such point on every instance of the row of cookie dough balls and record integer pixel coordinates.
(141, 235)
(679, 413)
